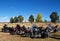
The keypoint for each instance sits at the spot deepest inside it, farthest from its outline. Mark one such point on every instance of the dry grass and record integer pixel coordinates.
(8, 37)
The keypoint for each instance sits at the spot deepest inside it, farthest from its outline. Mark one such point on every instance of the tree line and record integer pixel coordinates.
(54, 17)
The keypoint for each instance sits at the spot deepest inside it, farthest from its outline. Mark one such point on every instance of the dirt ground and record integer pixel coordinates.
(8, 37)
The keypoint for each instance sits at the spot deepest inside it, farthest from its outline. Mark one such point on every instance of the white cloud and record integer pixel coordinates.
(4, 19)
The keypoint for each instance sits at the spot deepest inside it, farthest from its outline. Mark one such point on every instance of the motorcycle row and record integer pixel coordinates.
(32, 32)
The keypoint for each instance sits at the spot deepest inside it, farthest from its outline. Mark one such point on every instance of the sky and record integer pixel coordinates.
(12, 8)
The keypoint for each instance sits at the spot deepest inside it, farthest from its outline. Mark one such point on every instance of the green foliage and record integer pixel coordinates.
(39, 18)
(54, 17)
(31, 18)
(20, 18)
(11, 20)
(15, 19)
(45, 20)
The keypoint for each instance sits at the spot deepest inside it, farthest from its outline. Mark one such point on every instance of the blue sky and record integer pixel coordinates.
(11, 8)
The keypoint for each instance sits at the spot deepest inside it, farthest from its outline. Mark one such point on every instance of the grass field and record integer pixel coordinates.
(8, 37)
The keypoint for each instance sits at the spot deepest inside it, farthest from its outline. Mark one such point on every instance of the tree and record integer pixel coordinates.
(31, 18)
(54, 17)
(39, 18)
(20, 18)
(45, 20)
(11, 20)
(59, 19)
(15, 19)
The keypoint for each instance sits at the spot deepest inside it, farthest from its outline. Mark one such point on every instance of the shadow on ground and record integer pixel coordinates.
(55, 37)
